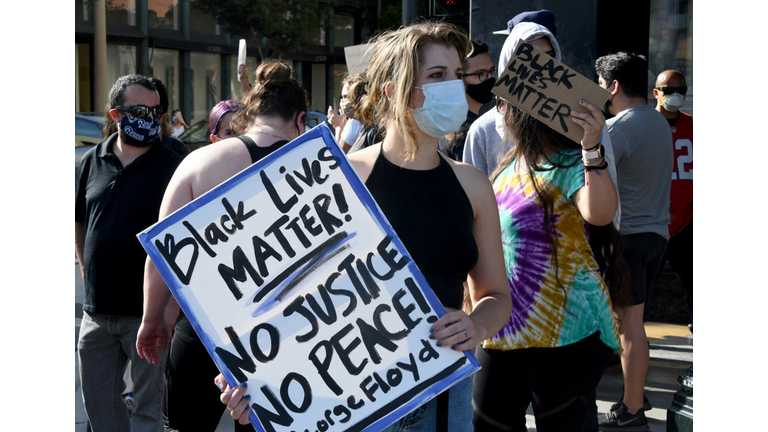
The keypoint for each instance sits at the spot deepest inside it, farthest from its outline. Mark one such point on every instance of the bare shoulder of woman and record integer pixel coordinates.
(208, 166)
(362, 160)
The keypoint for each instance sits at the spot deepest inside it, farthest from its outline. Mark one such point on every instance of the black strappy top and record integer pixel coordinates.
(259, 152)
(433, 217)
(183, 326)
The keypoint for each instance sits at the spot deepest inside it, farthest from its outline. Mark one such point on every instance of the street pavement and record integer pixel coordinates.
(671, 353)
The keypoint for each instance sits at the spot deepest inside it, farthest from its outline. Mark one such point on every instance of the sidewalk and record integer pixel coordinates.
(671, 353)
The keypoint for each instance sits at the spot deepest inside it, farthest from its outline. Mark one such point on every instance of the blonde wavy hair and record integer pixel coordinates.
(396, 58)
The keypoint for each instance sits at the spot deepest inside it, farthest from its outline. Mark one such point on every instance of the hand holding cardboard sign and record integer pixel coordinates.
(592, 123)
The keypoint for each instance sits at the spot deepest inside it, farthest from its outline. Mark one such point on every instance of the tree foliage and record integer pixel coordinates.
(391, 15)
(276, 26)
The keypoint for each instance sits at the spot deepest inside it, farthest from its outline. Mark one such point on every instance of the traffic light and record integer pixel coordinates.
(454, 3)
(452, 7)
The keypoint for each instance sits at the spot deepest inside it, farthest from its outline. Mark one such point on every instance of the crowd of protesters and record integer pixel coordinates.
(543, 250)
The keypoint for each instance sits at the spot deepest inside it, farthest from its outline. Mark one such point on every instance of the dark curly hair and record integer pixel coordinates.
(629, 69)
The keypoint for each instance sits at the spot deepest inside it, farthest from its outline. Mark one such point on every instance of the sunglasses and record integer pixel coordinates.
(668, 90)
(141, 111)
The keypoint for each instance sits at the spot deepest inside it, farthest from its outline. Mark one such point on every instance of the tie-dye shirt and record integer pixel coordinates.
(545, 313)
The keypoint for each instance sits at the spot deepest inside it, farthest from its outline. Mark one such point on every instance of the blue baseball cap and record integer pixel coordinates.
(543, 17)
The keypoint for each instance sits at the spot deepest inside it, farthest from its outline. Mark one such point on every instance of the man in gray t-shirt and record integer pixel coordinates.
(642, 146)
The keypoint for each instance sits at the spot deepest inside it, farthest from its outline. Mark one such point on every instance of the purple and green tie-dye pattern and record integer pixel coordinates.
(546, 313)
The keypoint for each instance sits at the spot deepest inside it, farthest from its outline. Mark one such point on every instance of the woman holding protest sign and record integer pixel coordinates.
(553, 350)
(443, 211)
(274, 113)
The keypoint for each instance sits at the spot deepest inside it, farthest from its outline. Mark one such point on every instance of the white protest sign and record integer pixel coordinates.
(358, 57)
(241, 53)
(547, 89)
(296, 283)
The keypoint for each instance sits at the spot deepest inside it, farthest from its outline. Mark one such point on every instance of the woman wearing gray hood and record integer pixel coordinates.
(486, 142)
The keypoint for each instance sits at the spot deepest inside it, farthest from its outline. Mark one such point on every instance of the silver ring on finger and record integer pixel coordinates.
(466, 336)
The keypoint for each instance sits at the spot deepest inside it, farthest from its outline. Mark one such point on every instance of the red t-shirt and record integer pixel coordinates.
(681, 194)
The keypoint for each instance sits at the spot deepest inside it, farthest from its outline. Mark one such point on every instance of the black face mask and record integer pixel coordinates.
(606, 112)
(482, 92)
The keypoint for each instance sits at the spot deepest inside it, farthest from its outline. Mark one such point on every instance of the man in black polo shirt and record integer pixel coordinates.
(122, 181)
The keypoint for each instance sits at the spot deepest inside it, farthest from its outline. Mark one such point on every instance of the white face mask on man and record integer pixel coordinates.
(672, 102)
(444, 110)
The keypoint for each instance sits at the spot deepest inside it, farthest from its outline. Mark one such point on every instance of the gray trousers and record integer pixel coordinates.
(106, 344)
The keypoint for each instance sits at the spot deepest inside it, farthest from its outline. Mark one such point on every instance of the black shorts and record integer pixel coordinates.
(644, 254)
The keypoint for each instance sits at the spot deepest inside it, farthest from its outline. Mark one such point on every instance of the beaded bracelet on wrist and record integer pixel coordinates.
(593, 162)
(601, 166)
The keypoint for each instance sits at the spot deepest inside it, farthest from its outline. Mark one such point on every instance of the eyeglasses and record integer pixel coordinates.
(141, 111)
(482, 75)
(668, 90)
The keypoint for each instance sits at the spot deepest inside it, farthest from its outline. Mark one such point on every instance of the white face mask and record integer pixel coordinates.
(500, 125)
(445, 108)
(672, 102)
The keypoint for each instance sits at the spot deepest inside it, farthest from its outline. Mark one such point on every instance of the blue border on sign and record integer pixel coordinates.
(420, 394)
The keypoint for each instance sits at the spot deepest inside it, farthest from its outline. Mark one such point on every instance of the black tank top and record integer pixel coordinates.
(183, 327)
(433, 217)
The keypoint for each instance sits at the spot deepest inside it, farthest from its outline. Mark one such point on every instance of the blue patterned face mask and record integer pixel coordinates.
(141, 131)
(445, 108)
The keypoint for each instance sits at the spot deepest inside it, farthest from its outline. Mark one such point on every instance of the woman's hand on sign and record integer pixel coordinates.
(591, 122)
(455, 330)
(236, 399)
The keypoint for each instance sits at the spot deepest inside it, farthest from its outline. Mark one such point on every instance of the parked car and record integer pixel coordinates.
(198, 135)
(88, 133)
(315, 117)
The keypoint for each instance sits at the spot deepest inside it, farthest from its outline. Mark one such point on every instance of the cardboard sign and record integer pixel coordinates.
(296, 283)
(547, 89)
(358, 58)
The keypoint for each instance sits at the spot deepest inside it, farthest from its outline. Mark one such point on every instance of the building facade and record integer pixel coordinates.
(196, 59)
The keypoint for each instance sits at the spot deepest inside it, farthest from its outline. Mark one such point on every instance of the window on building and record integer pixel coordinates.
(163, 14)
(339, 73)
(165, 65)
(206, 85)
(318, 87)
(121, 61)
(121, 12)
(671, 42)
(343, 31)
(200, 22)
(320, 35)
